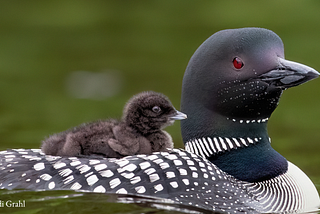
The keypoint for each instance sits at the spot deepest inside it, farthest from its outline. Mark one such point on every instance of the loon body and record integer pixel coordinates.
(139, 131)
(231, 86)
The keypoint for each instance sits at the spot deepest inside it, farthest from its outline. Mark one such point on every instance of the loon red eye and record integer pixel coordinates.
(237, 63)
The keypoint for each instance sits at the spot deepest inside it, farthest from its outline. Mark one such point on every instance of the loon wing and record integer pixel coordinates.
(177, 175)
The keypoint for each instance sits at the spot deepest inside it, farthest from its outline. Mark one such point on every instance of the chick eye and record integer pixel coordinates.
(156, 109)
(237, 63)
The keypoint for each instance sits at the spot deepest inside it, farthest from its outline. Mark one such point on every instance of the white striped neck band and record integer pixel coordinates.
(208, 146)
(249, 121)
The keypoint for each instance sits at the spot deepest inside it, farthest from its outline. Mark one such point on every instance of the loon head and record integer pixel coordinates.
(231, 86)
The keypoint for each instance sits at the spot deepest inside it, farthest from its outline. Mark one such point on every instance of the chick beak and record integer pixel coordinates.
(178, 116)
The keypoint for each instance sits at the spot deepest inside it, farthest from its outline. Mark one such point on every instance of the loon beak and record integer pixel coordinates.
(178, 116)
(289, 74)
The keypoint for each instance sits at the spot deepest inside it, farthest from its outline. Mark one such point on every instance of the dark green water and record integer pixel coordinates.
(66, 62)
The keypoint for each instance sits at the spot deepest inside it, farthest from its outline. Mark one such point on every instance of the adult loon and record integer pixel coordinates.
(139, 131)
(231, 86)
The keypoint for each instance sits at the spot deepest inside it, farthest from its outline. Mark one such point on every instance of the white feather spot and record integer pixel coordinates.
(243, 142)
(23, 153)
(122, 191)
(93, 162)
(45, 177)
(65, 172)
(164, 165)
(158, 161)
(154, 177)
(144, 165)
(178, 162)
(9, 156)
(250, 140)
(140, 189)
(229, 142)
(88, 174)
(72, 158)
(100, 167)
(39, 166)
(92, 180)
(51, 185)
(194, 175)
(158, 187)
(174, 184)
(128, 175)
(99, 189)
(68, 179)
(75, 163)
(122, 162)
(76, 186)
(193, 168)
(170, 175)
(106, 173)
(52, 158)
(135, 180)
(152, 157)
(114, 183)
(83, 168)
(150, 171)
(236, 142)
(224, 146)
(186, 181)
(171, 157)
(131, 167)
(59, 165)
(183, 172)
(190, 162)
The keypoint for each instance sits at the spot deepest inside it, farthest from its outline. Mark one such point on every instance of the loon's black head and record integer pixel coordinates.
(231, 86)
(237, 74)
(150, 111)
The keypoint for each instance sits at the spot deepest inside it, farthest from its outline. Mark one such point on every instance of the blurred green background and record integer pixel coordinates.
(66, 62)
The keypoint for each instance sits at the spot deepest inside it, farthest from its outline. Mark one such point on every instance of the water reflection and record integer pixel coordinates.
(65, 201)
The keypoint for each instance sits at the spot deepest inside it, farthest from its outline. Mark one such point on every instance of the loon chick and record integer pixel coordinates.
(231, 86)
(139, 131)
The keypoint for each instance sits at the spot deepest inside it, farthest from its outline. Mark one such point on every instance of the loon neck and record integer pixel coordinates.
(240, 147)
(248, 159)
(202, 122)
